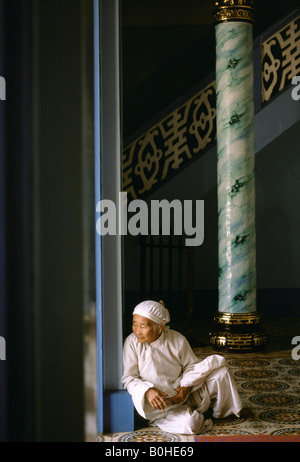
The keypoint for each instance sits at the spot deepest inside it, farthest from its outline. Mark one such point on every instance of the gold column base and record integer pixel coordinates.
(238, 332)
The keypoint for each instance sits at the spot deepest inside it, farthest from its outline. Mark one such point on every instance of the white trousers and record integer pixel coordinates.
(221, 394)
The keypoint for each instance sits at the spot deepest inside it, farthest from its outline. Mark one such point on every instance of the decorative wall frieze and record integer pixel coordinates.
(170, 144)
(186, 132)
(280, 59)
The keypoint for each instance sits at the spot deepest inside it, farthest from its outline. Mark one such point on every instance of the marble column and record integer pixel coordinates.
(237, 322)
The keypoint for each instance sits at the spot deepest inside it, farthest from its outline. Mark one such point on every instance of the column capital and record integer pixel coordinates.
(234, 10)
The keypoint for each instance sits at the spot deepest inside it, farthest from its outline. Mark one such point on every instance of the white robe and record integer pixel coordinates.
(169, 363)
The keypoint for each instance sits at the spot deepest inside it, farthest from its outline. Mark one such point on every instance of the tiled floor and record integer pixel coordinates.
(269, 386)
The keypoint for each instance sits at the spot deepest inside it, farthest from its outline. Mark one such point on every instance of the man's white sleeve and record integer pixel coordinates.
(131, 378)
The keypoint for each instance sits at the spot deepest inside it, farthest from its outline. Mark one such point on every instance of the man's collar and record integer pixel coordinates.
(158, 342)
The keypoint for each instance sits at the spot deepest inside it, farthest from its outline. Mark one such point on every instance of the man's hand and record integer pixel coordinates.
(156, 398)
(182, 394)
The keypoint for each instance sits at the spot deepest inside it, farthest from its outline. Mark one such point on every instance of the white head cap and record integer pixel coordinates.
(153, 310)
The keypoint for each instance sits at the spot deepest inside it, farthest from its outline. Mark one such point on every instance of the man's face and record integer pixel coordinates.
(145, 330)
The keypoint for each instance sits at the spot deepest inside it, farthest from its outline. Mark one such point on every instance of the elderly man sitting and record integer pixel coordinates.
(169, 386)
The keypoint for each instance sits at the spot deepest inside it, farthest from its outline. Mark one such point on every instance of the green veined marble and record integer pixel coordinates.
(236, 179)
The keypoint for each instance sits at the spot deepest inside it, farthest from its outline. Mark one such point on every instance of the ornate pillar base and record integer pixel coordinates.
(238, 332)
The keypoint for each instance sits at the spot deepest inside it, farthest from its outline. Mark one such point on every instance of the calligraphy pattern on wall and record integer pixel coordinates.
(280, 59)
(171, 143)
(183, 134)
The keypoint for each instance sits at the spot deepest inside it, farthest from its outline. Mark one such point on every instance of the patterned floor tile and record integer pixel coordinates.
(148, 436)
(269, 387)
